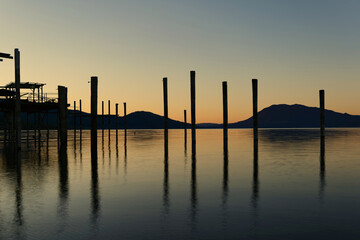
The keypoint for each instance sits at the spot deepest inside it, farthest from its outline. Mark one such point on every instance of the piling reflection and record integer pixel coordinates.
(255, 183)
(225, 187)
(19, 219)
(194, 200)
(125, 151)
(166, 201)
(63, 180)
(95, 201)
(185, 141)
(117, 153)
(322, 168)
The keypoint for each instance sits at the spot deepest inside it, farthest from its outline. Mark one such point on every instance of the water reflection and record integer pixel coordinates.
(225, 175)
(166, 201)
(63, 180)
(322, 167)
(95, 199)
(19, 219)
(194, 199)
(125, 151)
(255, 184)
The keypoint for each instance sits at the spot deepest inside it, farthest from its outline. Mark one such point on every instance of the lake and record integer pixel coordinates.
(292, 188)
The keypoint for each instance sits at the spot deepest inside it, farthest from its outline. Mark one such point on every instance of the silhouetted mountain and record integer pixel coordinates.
(298, 116)
(275, 116)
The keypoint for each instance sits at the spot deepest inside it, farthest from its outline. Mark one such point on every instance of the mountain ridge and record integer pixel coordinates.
(274, 116)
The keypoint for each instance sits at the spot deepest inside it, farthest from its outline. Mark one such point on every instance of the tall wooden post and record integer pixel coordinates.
(109, 115)
(117, 119)
(193, 120)
(185, 131)
(94, 101)
(80, 108)
(322, 113)
(225, 115)
(117, 115)
(125, 127)
(74, 117)
(102, 115)
(165, 108)
(185, 123)
(255, 108)
(17, 99)
(62, 94)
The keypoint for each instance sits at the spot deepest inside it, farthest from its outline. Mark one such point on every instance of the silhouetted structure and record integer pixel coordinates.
(109, 114)
(255, 108)
(125, 116)
(322, 112)
(17, 99)
(94, 99)
(14, 100)
(117, 120)
(165, 90)
(185, 131)
(63, 114)
(225, 114)
(193, 113)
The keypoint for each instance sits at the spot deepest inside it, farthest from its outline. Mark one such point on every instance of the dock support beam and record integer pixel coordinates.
(109, 115)
(74, 117)
(102, 116)
(17, 99)
(255, 108)
(80, 109)
(94, 100)
(165, 108)
(322, 113)
(225, 115)
(117, 119)
(125, 127)
(193, 120)
(62, 94)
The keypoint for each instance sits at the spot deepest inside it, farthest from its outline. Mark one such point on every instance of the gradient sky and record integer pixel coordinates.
(294, 48)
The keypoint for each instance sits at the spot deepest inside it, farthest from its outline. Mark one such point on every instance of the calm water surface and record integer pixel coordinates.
(291, 189)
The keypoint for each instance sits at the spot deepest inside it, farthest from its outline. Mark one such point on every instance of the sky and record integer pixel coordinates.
(294, 48)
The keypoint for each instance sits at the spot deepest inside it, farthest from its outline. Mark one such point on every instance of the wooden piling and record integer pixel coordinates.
(185, 131)
(17, 99)
(255, 108)
(165, 108)
(109, 115)
(62, 95)
(102, 115)
(125, 127)
(80, 108)
(322, 113)
(74, 115)
(225, 114)
(193, 120)
(94, 101)
(185, 123)
(117, 120)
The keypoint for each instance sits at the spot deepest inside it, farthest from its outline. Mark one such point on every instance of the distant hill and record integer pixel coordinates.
(275, 116)
(298, 116)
